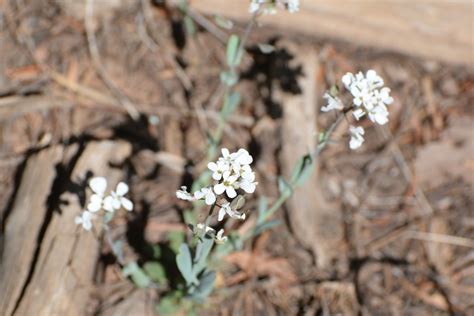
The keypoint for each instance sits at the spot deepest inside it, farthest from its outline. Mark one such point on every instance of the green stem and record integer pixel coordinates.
(219, 132)
(285, 195)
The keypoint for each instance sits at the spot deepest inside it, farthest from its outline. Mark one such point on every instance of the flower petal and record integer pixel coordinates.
(116, 203)
(225, 152)
(108, 204)
(95, 203)
(230, 191)
(98, 185)
(210, 198)
(220, 217)
(212, 166)
(219, 188)
(198, 195)
(122, 189)
(127, 204)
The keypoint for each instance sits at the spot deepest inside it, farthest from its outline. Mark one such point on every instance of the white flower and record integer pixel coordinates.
(226, 156)
(367, 97)
(379, 114)
(206, 193)
(373, 80)
(245, 172)
(183, 194)
(384, 96)
(334, 103)
(357, 137)
(268, 6)
(116, 199)
(85, 220)
(203, 229)
(247, 183)
(98, 186)
(218, 168)
(254, 6)
(228, 185)
(293, 5)
(226, 209)
(242, 157)
(219, 238)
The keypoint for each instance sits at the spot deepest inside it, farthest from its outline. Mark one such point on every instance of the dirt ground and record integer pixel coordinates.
(397, 234)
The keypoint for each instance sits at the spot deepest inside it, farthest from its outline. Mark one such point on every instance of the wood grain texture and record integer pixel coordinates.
(314, 222)
(24, 224)
(441, 30)
(48, 263)
(62, 280)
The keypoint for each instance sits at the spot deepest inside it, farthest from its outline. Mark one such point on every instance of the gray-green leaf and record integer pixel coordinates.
(229, 78)
(262, 209)
(203, 249)
(155, 271)
(231, 101)
(137, 275)
(302, 170)
(206, 284)
(260, 228)
(233, 51)
(185, 264)
(223, 22)
(284, 187)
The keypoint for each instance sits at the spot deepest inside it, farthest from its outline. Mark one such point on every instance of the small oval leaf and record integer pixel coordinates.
(185, 264)
(266, 48)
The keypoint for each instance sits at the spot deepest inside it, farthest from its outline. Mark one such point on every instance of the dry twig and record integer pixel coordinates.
(94, 52)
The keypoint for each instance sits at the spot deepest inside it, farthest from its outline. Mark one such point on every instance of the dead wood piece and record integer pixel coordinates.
(61, 281)
(316, 223)
(24, 224)
(432, 29)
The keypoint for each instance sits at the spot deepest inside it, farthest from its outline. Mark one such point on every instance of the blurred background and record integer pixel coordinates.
(129, 90)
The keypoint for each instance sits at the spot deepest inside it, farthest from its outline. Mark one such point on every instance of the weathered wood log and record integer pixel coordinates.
(60, 275)
(315, 223)
(24, 224)
(441, 30)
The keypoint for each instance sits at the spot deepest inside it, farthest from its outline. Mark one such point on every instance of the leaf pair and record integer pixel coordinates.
(199, 283)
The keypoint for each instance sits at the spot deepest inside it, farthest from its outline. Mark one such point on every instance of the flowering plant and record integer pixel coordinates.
(221, 188)
(98, 201)
(369, 97)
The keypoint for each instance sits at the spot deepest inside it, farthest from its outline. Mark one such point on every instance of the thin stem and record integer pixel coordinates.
(284, 196)
(276, 205)
(327, 136)
(248, 29)
(110, 242)
(211, 210)
(217, 137)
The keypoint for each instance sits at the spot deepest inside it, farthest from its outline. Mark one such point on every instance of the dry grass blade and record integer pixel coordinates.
(441, 238)
(94, 52)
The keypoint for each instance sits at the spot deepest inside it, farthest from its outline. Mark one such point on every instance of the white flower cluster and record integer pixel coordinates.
(98, 201)
(370, 98)
(231, 172)
(269, 6)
